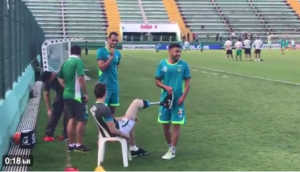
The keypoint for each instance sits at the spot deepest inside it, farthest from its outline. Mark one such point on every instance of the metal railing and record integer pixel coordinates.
(20, 42)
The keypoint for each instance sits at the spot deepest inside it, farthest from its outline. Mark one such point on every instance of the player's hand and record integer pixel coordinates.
(169, 89)
(49, 112)
(112, 52)
(180, 100)
(86, 98)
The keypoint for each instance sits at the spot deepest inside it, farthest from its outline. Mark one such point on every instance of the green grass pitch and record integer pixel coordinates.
(234, 122)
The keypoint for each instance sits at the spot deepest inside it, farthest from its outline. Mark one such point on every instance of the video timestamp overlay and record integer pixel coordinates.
(17, 160)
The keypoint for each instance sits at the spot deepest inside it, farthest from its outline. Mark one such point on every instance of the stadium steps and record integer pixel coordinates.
(295, 6)
(175, 16)
(113, 16)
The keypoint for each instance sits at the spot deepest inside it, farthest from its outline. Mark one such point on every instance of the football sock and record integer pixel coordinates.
(134, 148)
(173, 149)
(78, 144)
(170, 146)
(72, 144)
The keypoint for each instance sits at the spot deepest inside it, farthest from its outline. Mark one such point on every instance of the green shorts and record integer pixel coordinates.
(176, 115)
(238, 52)
(282, 47)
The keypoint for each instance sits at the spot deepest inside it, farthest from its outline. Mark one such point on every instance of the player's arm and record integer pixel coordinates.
(187, 79)
(119, 61)
(46, 96)
(159, 76)
(80, 74)
(101, 63)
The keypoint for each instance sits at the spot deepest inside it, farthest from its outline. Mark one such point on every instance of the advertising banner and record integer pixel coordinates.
(195, 47)
(138, 47)
(143, 28)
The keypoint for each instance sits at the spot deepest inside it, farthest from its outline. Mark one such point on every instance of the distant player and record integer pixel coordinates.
(86, 48)
(269, 44)
(228, 47)
(282, 46)
(286, 44)
(257, 45)
(187, 45)
(247, 46)
(238, 50)
(157, 47)
(200, 46)
(293, 45)
(170, 75)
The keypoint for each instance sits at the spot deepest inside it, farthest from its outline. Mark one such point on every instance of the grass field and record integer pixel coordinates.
(234, 122)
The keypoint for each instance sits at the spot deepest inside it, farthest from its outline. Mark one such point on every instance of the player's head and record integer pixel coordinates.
(100, 91)
(228, 39)
(175, 51)
(113, 39)
(240, 39)
(47, 76)
(76, 50)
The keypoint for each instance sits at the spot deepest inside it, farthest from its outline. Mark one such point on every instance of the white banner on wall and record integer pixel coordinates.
(138, 47)
(170, 27)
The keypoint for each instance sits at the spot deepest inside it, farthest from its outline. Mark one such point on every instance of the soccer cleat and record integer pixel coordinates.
(81, 149)
(62, 138)
(139, 152)
(168, 155)
(168, 101)
(71, 148)
(49, 139)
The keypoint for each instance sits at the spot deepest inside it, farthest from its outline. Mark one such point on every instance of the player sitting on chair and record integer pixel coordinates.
(119, 126)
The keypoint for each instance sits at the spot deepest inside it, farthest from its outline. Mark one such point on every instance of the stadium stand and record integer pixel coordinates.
(85, 19)
(113, 16)
(48, 15)
(130, 11)
(175, 16)
(283, 20)
(201, 13)
(70, 18)
(159, 15)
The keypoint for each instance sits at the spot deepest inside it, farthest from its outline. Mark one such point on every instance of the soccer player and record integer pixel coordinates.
(111, 126)
(157, 47)
(108, 61)
(86, 48)
(282, 46)
(186, 46)
(228, 47)
(238, 50)
(257, 45)
(269, 44)
(170, 75)
(71, 77)
(293, 44)
(286, 44)
(247, 46)
(51, 82)
(201, 46)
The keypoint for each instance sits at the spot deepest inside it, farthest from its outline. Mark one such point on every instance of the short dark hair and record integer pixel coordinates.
(75, 50)
(239, 39)
(46, 76)
(113, 33)
(171, 46)
(99, 90)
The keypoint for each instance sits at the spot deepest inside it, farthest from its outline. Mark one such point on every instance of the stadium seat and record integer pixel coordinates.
(155, 11)
(126, 153)
(130, 11)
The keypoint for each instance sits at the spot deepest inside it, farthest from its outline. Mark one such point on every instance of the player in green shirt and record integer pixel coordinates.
(201, 46)
(282, 45)
(71, 77)
(287, 44)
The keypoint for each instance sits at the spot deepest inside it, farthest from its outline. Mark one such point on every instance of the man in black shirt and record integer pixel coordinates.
(51, 83)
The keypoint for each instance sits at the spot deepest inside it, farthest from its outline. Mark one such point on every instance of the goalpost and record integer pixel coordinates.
(55, 52)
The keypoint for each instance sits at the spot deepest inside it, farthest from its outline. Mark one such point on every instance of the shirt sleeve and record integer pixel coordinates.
(99, 55)
(107, 115)
(79, 69)
(187, 72)
(60, 74)
(159, 72)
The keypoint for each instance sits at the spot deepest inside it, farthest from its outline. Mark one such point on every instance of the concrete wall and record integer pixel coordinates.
(12, 108)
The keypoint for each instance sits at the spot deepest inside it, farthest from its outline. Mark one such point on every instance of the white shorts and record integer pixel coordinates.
(126, 125)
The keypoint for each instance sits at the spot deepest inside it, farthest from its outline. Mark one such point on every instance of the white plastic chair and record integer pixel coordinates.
(126, 153)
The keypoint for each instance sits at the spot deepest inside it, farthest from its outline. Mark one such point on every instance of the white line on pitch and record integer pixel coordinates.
(232, 73)
(204, 72)
(195, 70)
(225, 76)
(215, 74)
